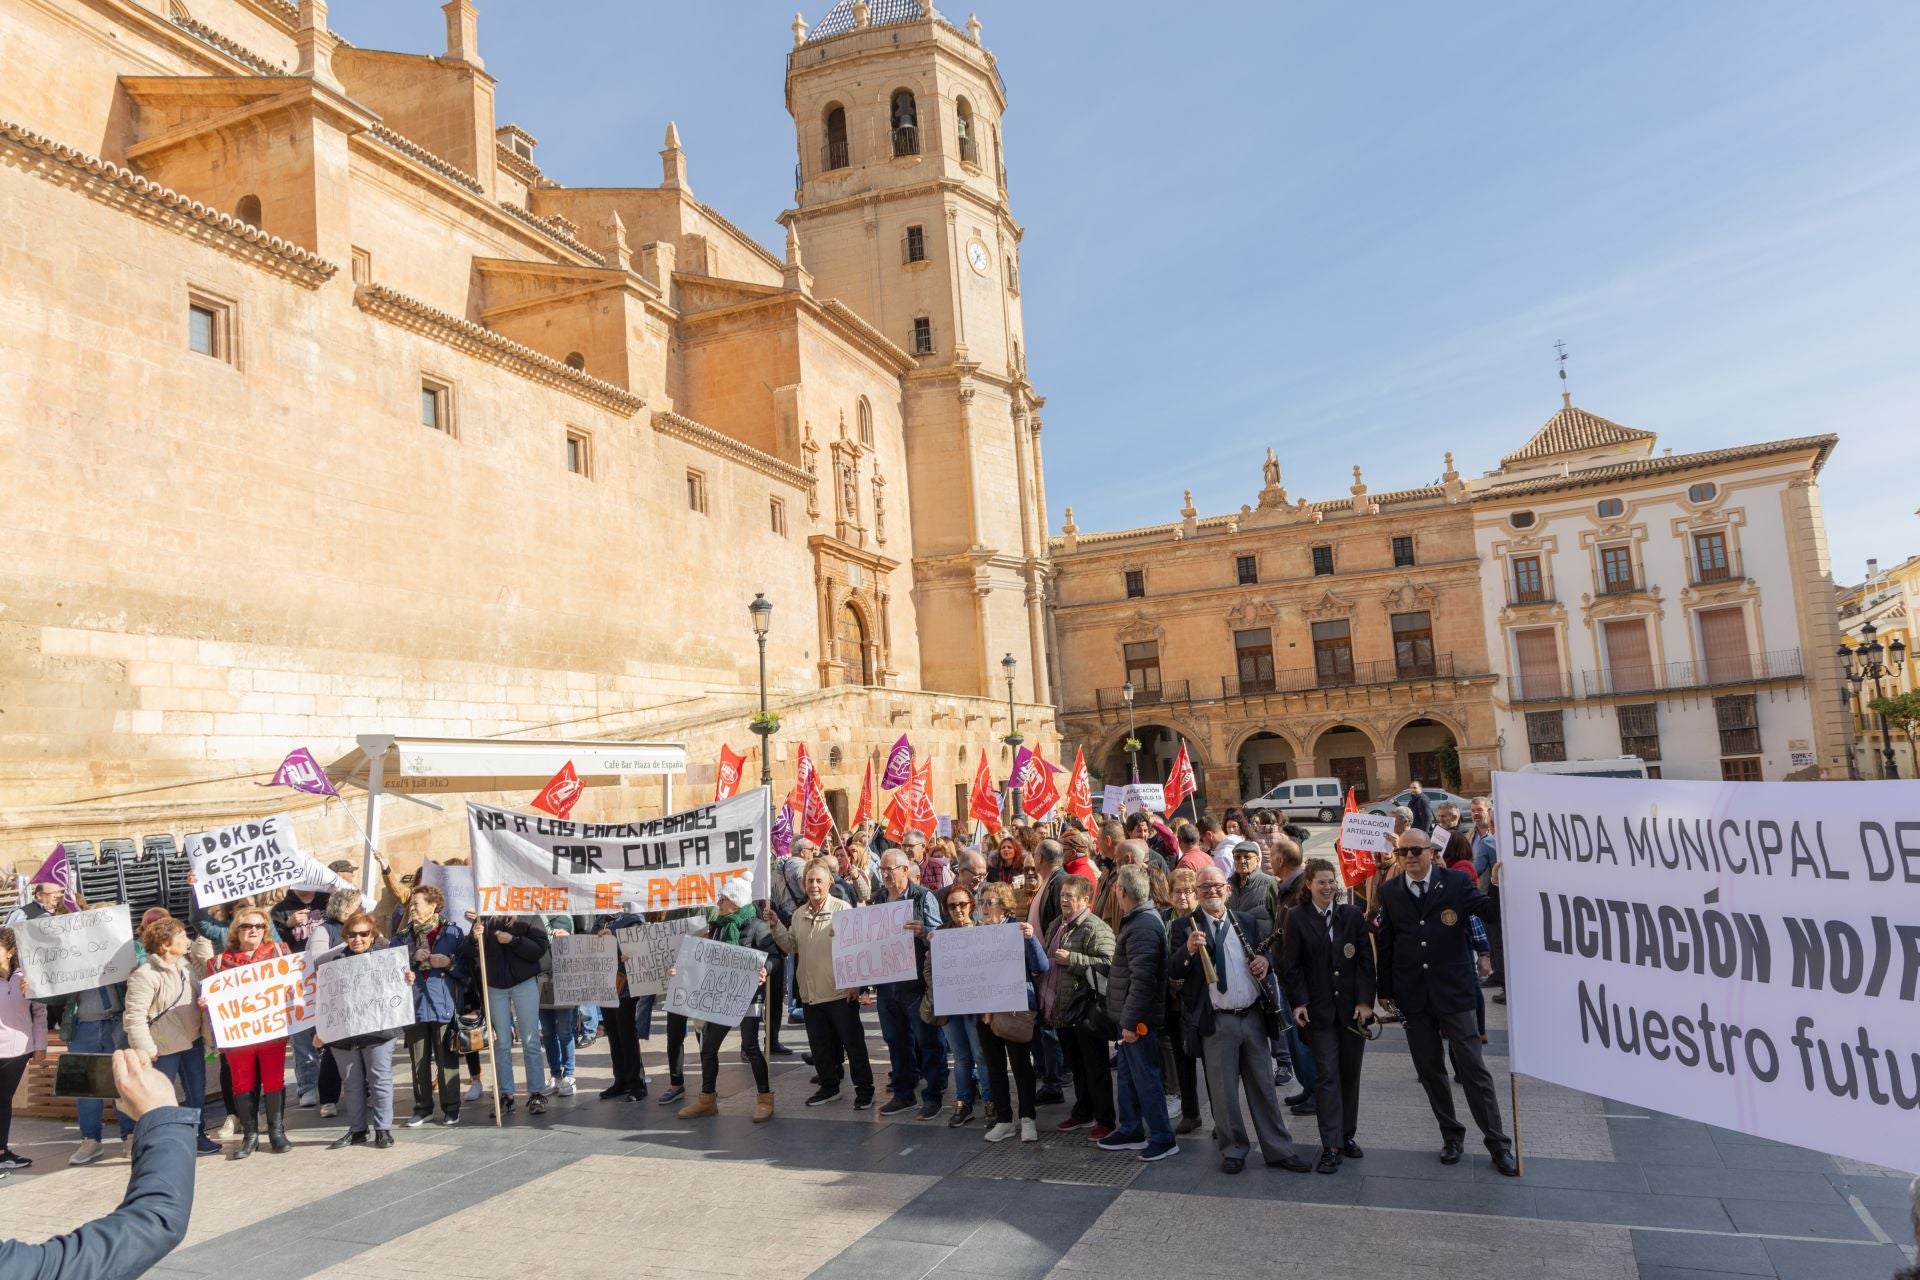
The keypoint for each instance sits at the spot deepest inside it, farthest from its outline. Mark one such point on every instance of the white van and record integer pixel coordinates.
(1611, 767)
(1322, 799)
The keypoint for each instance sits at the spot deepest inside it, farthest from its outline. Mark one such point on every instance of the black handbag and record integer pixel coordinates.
(467, 1033)
(1088, 1011)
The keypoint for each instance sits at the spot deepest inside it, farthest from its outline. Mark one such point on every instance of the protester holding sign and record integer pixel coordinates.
(23, 1039)
(1004, 1037)
(366, 1059)
(970, 1082)
(624, 1021)
(512, 965)
(90, 1023)
(164, 1022)
(433, 944)
(832, 1014)
(264, 1062)
(737, 924)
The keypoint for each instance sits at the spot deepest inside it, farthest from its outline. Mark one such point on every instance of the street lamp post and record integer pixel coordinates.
(761, 611)
(1133, 751)
(1013, 739)
(1877, 662)
(1849, 707)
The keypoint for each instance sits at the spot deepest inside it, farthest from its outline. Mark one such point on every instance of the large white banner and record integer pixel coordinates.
(77, 951)
(532, 864)
(1744, 954)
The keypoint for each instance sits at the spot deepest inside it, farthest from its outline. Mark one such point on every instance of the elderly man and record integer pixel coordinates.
(1136, 993)
(1427, 970)
(969, 871)
(832, 1013)
(1227, 997)
(1250, 890)
(916, 1051)
(45, 902)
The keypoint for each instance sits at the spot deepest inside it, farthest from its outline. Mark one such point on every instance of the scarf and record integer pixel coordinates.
(727, 928)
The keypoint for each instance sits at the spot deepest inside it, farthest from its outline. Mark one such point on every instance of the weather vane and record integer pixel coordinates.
(1566, 397)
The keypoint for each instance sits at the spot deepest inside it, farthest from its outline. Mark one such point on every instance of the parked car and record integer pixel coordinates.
(1321, 799)
(1435, 798)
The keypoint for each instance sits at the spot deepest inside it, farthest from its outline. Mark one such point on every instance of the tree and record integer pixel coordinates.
(1448, 758)
(1902, 712)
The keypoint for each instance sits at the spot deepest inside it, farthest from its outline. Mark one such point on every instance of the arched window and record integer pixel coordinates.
(866, 422)
(851, 639)
(248, 210)
(905, 121)
(834, 155)
(963, 129)
(576, 361)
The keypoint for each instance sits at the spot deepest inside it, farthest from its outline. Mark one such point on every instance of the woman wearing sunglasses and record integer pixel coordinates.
(264, 1063)
(365, 1062)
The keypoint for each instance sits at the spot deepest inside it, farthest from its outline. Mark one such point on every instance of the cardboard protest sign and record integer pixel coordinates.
(982, 969)
(77, 951)
(253, 857)
(360, 995)
(1744, 954)
(456, 886)
(1132, 797)
(267, 1000)
(530, 864)
(713, 981)
(871, 945)
(1372, 832)
(584, 969)
(648, 951)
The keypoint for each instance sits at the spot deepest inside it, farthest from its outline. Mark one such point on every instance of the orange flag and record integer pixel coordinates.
(561, 793)
(984, 802)
(911, 808)
(863, 812)
(727, 777)
(1080, 788)
(1355, 864)
(808, 800)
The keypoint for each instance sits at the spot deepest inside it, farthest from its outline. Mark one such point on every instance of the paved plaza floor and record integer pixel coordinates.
(614, 1188)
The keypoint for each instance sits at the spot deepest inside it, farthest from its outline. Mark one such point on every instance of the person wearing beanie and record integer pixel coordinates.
(737, 923)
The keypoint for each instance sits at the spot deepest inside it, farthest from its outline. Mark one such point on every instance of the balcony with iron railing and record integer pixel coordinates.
(906, 140)
(1769, 667)
(1707, 572)
(1622, 580)
(1144, 695)
(834, 154)
(1530, 593)
(1306, 679)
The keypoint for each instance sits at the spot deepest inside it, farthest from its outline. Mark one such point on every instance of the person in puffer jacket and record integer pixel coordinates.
(434, 945)
(513, 948)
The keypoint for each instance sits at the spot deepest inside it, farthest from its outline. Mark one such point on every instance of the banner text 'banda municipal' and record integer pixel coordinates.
(1744, 954)
(528, 864)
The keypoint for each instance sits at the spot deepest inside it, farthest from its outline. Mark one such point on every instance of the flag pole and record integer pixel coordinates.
(486, 1012)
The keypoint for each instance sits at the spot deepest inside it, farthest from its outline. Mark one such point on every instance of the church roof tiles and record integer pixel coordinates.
(885, 13)
(1575, 430)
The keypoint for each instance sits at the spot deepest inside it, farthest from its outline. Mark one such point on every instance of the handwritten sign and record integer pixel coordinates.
(982, 969)
(1370, 832)
(1132, 797)
(871, 945)
(362, 995)
(253, 857)
(77, 951)
(267, 1000)
(648, 951)
(530, 864)
(713, 981)
(456, 886)
(584, 969)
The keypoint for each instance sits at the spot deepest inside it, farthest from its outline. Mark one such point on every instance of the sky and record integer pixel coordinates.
(1354, 233)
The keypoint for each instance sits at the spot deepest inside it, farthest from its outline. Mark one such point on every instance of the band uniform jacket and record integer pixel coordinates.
(1426, 949)
(1328, 977)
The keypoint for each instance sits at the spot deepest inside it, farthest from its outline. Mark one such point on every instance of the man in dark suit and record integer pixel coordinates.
(1427, 970)
(1226, 998)
(1326, 966)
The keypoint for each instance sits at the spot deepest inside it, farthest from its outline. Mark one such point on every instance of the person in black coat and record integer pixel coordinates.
(1136, 991)
(1427, 970)
(508, 950)
(1326, 965)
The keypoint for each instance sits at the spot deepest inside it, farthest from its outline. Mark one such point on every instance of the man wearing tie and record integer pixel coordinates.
(1326, 966)
(1226, 999)
(1427, 970)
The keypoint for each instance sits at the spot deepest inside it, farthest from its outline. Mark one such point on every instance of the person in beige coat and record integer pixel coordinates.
(832, 1015)
(163, 1020)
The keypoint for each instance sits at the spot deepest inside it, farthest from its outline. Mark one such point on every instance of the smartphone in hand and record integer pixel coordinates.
(84, 1075)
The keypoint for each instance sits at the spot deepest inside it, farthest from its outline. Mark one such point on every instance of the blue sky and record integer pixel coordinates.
(1354, 232)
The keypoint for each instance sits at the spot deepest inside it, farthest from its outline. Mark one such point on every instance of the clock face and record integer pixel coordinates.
(977, 255)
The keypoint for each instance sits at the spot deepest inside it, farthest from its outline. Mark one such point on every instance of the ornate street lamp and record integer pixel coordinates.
(761, 611)
(1013, 739)
(1133, 742)
(1877, 662)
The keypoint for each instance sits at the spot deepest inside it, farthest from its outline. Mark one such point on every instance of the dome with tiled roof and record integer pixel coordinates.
(1572, 431)
(884, 13)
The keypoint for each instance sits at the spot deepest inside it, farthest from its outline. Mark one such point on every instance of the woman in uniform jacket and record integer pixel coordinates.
(1327, 970)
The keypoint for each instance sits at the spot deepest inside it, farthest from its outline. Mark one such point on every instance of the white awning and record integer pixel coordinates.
(450, 765)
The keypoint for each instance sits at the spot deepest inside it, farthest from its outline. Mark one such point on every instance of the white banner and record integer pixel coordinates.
(713, 981)
(532, 864)
(1368, 832)
(456, 886)
(363, 994)
(584, 969)
(1131, 797)
(871, 945)
(77, 951)
(982, 969)
(648, 951)
(267, 1000)
(253, 857)
(1743, 954)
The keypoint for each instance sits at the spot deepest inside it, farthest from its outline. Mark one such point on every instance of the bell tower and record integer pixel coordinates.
(901, 209)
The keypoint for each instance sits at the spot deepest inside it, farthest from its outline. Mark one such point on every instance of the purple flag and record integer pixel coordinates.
(899, 765)
(58, 870)
(783, 832)
(303, 773)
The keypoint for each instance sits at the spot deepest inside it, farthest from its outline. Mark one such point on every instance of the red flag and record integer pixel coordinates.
(1355, 864)
(1080, 788)
(1180, 783)
(984, 802)
(911, 808)
(809, 801)
(561, 793)
(727, 777)
(1038, 792)
(863, 812)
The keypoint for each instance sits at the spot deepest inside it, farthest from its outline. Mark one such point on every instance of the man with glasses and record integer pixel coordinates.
(1427, 970)
(1326, 966)
(1226, 999)
(915, 1049)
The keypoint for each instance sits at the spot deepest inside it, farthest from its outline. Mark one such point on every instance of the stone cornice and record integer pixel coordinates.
(485, 344)
(948, 186)
(518, 165)
(420, 155)
(232, 48)
(121, 188)
(705, 437)
(746, 241)
(886, 348)
(834, 314)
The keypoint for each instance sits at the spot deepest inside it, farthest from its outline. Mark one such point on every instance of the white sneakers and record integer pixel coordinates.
(1029, 1132)
(473, 1090)
(1000, 1132)
(229, 1130)
(87, 1152)
(309, 1098)
(566, 1087)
